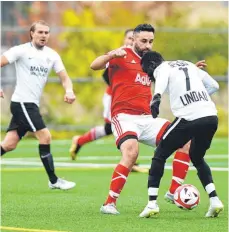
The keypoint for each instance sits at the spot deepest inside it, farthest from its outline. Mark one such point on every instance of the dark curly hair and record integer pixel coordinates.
(144, 27)
(150, 61)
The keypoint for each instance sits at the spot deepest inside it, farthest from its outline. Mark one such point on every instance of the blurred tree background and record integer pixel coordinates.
(89, 29)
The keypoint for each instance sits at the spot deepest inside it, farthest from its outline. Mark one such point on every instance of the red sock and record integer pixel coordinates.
(87, 137)
(180, 169)
(118, 181)
(95, 133)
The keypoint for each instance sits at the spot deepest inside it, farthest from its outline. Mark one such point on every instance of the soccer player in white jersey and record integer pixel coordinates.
(33, 62)
(196, 120)
(131, 116)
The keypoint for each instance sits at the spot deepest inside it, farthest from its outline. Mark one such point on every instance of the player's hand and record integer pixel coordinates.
(69, 97)
(1, 93)
(201, 64)
(120, 52)
(154, 105)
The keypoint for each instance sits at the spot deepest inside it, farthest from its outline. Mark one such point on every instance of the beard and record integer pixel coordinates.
(139, 51)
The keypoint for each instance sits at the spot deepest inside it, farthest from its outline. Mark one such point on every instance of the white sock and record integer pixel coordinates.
(152, 203)
(214, 199)
(210, 188)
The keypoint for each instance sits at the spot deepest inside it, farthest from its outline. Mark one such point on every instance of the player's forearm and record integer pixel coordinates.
(3, 61)
(66, 81)
(212, 88)
(210, 84)
(100, 62)
(67, 84)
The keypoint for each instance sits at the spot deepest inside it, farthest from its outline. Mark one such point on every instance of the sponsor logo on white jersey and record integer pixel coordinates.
(144, 80)
(38, 71)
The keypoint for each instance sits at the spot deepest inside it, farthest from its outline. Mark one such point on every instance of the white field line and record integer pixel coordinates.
(68, 142)
(115, 158)
(25, 229)
(97, 142)
(86, 165)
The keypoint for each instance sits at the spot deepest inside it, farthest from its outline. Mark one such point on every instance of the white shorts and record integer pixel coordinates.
(107, 107)
(147, 129)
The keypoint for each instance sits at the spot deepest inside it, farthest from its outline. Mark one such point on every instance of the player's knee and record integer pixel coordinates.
(162, 153)
(10, 141)
(8, 146)
(107, 128)
(130, 153)
(197, 155)
(45, 138)
(48, 138)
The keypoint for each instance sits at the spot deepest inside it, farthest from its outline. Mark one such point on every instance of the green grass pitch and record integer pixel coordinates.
(28, 205)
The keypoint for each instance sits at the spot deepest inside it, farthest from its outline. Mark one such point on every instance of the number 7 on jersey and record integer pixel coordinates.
(187, 78)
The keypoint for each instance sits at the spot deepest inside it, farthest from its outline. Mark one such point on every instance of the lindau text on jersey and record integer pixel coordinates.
(193, 96)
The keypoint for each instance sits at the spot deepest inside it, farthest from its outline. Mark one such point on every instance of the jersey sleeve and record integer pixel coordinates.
(111, 62)
(209, 83)
(161, 75)
(58, 64)
(106, 76)
(14, 53)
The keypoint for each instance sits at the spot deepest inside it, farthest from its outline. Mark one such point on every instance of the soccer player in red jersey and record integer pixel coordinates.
(101, 131)
(131, 116)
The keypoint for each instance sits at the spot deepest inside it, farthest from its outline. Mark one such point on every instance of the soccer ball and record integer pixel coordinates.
(187, 197)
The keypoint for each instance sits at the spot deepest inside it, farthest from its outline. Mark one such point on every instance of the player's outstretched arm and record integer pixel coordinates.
(101, 61)
(3, 61)
(209, 83)
(69, 96)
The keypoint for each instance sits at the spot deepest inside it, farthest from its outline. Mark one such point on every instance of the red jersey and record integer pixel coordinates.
(131, 87)
(108, 90)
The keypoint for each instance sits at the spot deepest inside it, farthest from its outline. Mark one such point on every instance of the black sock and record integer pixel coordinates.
(213, 194)
(2, 151)
(152, 198)
(155, 174)
(77, 148)
(205, 176)
(47, 160)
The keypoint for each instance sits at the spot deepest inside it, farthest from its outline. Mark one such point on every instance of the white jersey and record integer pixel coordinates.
(32, 69)
(189, 88)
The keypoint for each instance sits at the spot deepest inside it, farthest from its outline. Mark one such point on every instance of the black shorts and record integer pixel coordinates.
(26, 117)
(180, 131)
